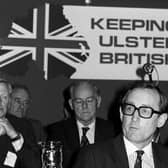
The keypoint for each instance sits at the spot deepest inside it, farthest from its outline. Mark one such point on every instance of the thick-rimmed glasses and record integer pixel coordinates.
(143, 111)
(80, 102)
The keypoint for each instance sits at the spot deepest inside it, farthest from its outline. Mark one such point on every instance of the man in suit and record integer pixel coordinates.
(85, 101)
(17, 143)
(20, 106)
(142, 111)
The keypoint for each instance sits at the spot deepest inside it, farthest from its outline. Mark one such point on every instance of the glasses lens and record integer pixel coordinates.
(90, 99)
(128, 109)
(145, 112)
(78, 101)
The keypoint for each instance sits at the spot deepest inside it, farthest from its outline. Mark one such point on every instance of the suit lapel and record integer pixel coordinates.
(98, 134)
(158, 157)
(119, 153)
(72, 134)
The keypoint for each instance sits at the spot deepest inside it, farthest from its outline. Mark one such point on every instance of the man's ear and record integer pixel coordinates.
(162, 120)
(98, 101)
(70, 103)
(121, 114)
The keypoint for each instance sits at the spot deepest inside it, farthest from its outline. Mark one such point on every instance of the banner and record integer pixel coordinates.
(87, 42)
(120, 41)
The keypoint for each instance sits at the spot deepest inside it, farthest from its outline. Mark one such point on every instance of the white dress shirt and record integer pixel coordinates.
(147, 157)
(90, 133)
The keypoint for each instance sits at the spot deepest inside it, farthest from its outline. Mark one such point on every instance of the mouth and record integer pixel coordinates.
(133, 128)
(86, 113)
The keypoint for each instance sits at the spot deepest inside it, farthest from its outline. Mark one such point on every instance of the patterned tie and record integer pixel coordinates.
(138, 162)
(84, 140)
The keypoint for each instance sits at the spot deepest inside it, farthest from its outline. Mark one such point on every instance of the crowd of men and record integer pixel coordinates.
(88, 141)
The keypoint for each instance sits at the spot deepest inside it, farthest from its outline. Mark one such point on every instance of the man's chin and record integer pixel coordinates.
(87, 121)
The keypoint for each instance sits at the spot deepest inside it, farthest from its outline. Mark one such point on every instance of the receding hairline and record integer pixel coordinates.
(7, 84)
(163, 102)
(18, 88)
(78, 84)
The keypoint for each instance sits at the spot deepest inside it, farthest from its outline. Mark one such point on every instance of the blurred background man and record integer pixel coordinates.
(20, 106)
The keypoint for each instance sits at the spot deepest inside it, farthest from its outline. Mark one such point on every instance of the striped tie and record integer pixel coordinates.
(138, 162)
(84, 140)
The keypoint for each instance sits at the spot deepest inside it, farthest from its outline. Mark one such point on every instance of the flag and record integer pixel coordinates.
(47, 38)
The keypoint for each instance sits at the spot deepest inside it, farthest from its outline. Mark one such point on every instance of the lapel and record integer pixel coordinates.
(119, 153)
(72, 134)
(98, 132)
(159, 156)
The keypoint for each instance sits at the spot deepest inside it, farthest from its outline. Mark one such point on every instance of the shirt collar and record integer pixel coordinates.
(130, 148)
(91, 126)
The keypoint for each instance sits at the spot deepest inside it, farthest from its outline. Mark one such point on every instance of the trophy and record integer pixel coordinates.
(51, 154)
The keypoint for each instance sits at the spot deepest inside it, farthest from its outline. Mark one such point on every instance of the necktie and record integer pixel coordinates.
(138, 162)
(84, 140)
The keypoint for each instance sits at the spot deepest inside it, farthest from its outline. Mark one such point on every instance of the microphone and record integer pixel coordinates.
(148, 69)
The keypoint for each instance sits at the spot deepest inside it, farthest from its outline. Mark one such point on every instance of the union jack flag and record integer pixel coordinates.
(46, 38)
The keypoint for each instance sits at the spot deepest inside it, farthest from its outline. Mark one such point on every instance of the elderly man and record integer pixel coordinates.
(84, 128)
(17, 143)
(20, 106)
(142, 111)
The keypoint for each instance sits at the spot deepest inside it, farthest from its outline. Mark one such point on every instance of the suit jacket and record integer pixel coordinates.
(66, 131)
(29, 155)
(112, 154)
(39, 132)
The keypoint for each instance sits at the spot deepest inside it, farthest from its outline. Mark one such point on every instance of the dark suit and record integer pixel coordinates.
(66, 131)
(28, 156)
(38, 130)
(112, 154)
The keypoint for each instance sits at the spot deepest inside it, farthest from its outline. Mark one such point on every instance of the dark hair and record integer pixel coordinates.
(148, 85)
(17, 86)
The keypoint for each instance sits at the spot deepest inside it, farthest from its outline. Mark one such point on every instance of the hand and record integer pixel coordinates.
(2, 130)
(7, 128)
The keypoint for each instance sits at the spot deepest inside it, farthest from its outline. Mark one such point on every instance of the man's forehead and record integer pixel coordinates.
(20, 93)
(3, 87)
(141, 92)
(84, 89)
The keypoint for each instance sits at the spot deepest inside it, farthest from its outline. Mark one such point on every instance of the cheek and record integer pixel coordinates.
(77, 110)
(148, 127)
(5, 103)
(15, 106)
(152, 125)
(93, 107)
(126, 121)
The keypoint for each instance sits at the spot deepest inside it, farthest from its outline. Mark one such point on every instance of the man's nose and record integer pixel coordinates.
(84, 104)
(0, 100)
(22, 105)
(135, 116)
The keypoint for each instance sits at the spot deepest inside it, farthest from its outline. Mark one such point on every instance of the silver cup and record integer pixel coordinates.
(51, 155)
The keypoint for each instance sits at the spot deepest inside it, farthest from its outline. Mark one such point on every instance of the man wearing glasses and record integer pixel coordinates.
(84, 128)
(142, 112)
(20, 107)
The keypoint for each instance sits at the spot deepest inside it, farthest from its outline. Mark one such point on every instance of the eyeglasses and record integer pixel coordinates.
(22, 102)
(80, 102)
(143, 111)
